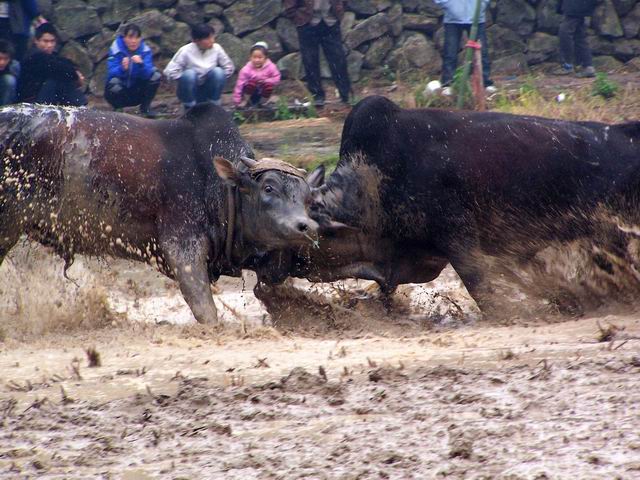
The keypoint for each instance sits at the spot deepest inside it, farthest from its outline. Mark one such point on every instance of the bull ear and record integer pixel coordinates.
(226, 171)
(316, 178)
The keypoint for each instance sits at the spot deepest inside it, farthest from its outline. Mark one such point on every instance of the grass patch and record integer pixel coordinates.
(329, 161)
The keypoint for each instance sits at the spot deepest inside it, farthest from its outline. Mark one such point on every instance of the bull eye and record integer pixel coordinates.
(268, 189)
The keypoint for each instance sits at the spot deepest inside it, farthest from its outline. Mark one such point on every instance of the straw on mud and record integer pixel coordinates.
(93, 356)
(606, 334)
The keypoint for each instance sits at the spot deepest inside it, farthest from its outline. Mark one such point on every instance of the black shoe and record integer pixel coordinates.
(319, 102)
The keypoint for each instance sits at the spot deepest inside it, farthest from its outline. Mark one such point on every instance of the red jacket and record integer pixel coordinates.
(300, 12)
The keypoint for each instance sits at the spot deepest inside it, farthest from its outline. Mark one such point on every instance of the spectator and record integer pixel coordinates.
(201, 68)
(573, 37)
(131, 79)
(458, 18)
(47, 77)
(318, 23)
(257, 78)
(16, 17)
(9, 72)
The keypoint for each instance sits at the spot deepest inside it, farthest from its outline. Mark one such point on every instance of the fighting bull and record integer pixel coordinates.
(426, 187)
(182, 194)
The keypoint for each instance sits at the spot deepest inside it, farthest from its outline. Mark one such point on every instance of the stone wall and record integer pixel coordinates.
(397, 35)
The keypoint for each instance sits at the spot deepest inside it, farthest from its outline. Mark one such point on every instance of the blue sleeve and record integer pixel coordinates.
(148, 68)
(114, 67)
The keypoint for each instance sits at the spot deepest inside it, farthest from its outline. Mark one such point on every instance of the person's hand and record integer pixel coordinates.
(81, 78)
(125, 63)
(39, 20)
(136, 59)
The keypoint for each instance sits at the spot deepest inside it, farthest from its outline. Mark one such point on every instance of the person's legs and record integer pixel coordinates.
(452, 34)
(582, 50)
(20, 45)
(61, 93)
(331, 41)
(566, 34)
(486, 62)
(211, 89)
(187, 84)
(116, 94)
(147, 92)
(8, 85)
(310, 51)
(251, 90)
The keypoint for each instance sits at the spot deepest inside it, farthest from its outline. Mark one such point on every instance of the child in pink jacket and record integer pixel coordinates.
(257, 78)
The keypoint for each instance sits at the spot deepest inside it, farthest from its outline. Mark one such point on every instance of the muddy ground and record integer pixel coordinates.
(340, 387)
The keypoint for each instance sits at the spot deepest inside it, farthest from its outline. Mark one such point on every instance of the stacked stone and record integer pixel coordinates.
(398, 35)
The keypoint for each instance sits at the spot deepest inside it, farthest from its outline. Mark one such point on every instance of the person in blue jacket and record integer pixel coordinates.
(131, 79)
(458, 17)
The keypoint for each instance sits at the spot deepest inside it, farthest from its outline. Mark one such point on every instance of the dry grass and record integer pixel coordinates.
(534, 97)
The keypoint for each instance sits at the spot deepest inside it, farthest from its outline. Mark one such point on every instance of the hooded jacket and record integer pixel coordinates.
(268, 74)
(136, 71)
(462, 11)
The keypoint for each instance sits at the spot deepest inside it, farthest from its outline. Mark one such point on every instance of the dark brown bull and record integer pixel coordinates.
(97, 183)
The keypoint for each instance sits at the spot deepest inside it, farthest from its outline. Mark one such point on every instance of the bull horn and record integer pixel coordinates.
(249, 162)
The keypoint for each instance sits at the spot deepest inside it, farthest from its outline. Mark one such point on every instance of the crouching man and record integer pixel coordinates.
(131, 79)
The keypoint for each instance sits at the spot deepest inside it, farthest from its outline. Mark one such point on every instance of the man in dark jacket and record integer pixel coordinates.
(131, 78)
(47, 77)
(318, 23)
(573, 37)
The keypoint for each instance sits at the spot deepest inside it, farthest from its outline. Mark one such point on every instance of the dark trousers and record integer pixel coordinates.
(311, 38)
(55, 92)
(573, 42)
(452, 36)
(20, 42)
(140, 92)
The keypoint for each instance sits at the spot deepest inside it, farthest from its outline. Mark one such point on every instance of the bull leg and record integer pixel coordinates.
(7, 242)
(188, 262)
(475, 282)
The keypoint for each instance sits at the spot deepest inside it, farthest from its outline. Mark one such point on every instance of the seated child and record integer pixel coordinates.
(9, 71)
(258, 77)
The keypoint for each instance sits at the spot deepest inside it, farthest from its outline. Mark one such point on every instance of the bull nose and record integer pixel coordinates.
(302, 227)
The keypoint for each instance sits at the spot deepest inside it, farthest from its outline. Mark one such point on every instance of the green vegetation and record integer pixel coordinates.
(238, 117)
(388, 73)
(604, 87)
(283, 112)
(329, 161)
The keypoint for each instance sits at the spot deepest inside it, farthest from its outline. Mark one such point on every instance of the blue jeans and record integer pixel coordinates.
(8, 84)
(452, 36)
(190, 92)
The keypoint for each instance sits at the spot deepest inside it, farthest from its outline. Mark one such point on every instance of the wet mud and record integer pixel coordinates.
(350, 392)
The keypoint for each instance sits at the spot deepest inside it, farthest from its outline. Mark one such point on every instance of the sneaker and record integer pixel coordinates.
(586, 72)
(447, 91)
(564, 69)
(148, 113)
(491, 89)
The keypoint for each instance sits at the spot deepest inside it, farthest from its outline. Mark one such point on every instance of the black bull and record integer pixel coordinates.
(98, 183)
(429, 187)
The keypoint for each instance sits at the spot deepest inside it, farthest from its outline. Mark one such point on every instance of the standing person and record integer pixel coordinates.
(318, 23)
(46, 77)
(573, 37)
(9, 72)
(131, 77)
(257, 78)
(201, 68)
(16, 17)
(458, 18)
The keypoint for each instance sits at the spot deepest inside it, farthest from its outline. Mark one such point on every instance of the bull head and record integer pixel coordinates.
(273, 198)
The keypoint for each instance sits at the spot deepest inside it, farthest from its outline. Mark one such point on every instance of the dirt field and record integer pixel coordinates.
(422, 392)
